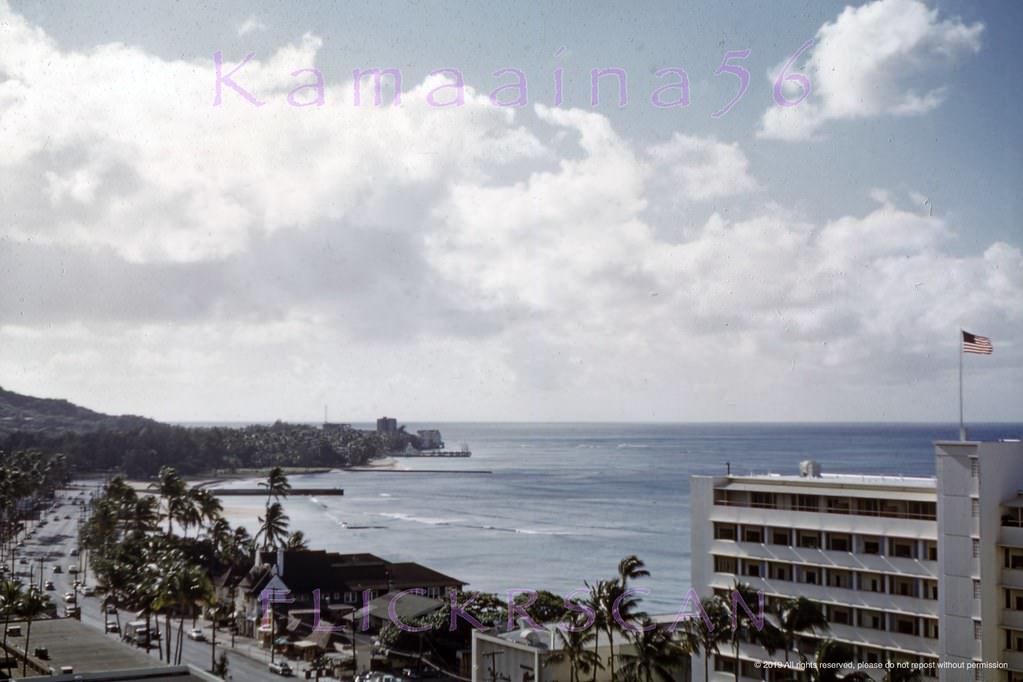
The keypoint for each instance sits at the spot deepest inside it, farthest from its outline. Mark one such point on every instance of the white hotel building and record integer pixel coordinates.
(924, 570)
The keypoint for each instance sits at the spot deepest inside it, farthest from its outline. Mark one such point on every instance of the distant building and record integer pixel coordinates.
(387, 426)
(430, 439)
(926, 571)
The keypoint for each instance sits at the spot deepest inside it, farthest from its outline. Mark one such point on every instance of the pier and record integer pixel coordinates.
(431, 453)
(261, 492)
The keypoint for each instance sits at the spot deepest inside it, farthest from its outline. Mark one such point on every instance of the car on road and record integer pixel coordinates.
(89, 591)
(69, 598)
(58, 569)
(111, 609)
(281, 668)
(112, 627)
(67, 517)
(73, 552)
(197, 635)
(71, 611)
(72, 569)
(49, 586)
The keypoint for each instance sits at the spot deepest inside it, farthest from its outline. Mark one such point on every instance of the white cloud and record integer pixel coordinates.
(252, 24)
(860, 64)
(704, 168)
(233, 262)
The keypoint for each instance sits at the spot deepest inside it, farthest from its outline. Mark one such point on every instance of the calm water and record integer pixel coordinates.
(566, 502)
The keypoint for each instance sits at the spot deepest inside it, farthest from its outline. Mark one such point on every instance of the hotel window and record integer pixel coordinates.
(838, 542)
(753, 569)
(1013, 557)
(871, 582)
(930, 628)
(753, 534)
(780, 537)
(904, 549)
(923, 510)
(903, 587)
(930, 589)
(809, 577)
(872, 620)
(976, 548)
(932, 550)
(871, 545)
(905, 626)
(837, 505)
(807, 503)
(433, 592)
(349, 597)
(978, 630)
(975, 507)
(724, 531)
(867, 507)
(779, 572)
(976, 589)
(808, 539)
(842, 579)
(764, 501)
(724, 564)
(841, 615)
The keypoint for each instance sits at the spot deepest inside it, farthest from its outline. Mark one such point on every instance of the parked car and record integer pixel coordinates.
(72, 569)
(71, 611)
(49, 586)
(112, 627)
(73, 552)
(197, 634)
(58, 569)
(69, 598)
(281, 668)
(111, 609)
(89, 591)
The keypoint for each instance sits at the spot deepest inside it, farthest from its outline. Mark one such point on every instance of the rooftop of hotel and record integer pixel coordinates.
(847, 479)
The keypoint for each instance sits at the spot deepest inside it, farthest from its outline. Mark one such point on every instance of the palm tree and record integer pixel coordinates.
(296, 541)
(798, 615)
(276, 485)
(653, 654)
(207, 504)
(10, 598)
(576, 652)
(766, 634)
(32, 604)
(172, 489)
(707, 637)
(274, 527)
(596, 601)
(616, 605)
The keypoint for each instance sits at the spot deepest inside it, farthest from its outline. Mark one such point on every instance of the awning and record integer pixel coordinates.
(304, 644)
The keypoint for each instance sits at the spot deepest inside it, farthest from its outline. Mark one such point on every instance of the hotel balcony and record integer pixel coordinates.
(1014, 659)
(877, 601)
(875, 563)
(1011, 619)
(1009, 536)
(923, 529)
(1012, 577)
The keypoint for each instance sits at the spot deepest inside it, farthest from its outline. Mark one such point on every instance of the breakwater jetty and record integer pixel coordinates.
(261, 492)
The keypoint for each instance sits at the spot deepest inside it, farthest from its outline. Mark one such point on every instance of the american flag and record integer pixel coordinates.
(976, 344)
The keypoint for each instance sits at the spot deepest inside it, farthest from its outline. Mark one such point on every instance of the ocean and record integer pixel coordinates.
(565, 502)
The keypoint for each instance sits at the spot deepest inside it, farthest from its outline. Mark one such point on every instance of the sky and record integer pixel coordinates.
(506, 241)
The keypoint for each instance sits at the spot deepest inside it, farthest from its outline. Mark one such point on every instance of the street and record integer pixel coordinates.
(51, 545)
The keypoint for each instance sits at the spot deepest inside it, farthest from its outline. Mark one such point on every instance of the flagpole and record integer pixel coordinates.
(962, 426)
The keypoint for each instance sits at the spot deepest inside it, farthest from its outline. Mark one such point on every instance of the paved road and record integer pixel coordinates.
(52, 544)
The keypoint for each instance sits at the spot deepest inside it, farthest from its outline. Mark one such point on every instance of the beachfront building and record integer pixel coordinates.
(430, 439)
(917, 571)
(387, 426)
(527, 654)
(343, 581)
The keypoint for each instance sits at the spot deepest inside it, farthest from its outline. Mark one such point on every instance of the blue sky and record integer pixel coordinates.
(569, 262)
